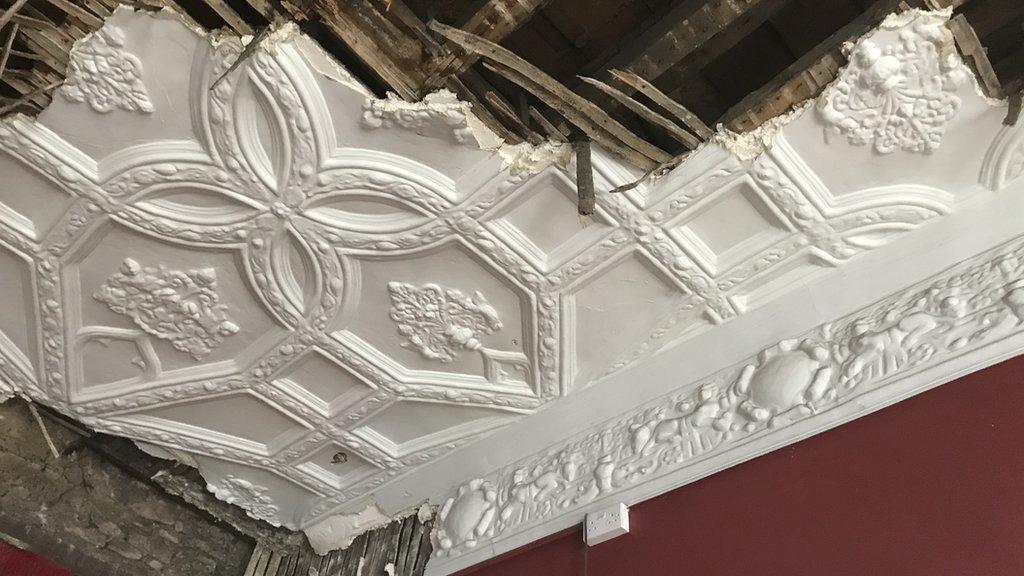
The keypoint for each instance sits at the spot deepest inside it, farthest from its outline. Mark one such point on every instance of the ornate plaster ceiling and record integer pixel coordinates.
(338, 307)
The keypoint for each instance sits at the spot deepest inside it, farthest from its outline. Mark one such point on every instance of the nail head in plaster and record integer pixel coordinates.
(525, 159)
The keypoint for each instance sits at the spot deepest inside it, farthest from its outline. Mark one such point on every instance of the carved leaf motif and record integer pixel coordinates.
(438, 322)
(180, 307)
(103, 74)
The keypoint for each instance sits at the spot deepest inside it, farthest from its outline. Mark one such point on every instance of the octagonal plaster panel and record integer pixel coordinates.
(312, 294)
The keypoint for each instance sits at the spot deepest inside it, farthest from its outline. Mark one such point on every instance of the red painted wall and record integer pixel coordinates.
(931, 486)
(15, 562)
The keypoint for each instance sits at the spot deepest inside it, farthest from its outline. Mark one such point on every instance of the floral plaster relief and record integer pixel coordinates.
(311, 191)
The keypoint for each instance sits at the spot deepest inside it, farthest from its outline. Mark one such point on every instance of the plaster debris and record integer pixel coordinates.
(440, 114)
(747, 146)
(337, 532)
(425, 513)
(525, 159)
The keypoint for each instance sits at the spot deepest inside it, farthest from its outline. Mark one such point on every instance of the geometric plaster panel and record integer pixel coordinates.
(605, 322)
(332, 386)
(263, 426)
(541, 221)
(29, 203)
(729, 227)
(17, 324)
(325, 300)
(407, 427)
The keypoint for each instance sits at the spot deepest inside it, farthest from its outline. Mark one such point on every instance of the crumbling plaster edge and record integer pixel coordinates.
(748, 146)
(338, 531)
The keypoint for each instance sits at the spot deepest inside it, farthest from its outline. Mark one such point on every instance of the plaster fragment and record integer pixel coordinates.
(338, 531)
(425, 513)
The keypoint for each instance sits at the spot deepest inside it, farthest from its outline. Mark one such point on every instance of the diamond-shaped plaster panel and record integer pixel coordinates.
(541, 221)
(326, 385)
(729, 227)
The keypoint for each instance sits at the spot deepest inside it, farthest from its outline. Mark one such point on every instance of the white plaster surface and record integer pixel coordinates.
(339, 308)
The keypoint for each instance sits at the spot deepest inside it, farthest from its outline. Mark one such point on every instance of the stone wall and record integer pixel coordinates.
(81, 511)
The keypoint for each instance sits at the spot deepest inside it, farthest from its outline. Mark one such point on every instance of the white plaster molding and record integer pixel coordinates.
(438, 322)
(974, 306)
(249, 496)
(344, 528)
(901, 94)
(182, 307)
(105, 75)
(298, 220)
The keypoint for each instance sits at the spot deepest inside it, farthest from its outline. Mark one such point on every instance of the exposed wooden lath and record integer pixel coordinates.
(646, 79)
(401, 548)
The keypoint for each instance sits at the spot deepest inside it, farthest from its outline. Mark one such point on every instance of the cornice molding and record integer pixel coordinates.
(324, 263)
(864, 361)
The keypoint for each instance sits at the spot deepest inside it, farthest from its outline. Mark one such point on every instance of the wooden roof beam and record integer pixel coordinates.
(397, 56)
(11, 12)
(673, 130)
(402, 55)
(11, 34)
(806, 77)
(587, 116)
(974, 53)
(229, 15)
(680, 33)
(694, 62)
(77, 12)
(689, 119)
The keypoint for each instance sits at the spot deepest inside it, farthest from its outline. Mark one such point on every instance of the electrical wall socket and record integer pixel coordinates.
(606, 524)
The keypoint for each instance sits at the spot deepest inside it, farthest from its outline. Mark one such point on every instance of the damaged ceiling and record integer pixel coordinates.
(339, 306)
(651, 75)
